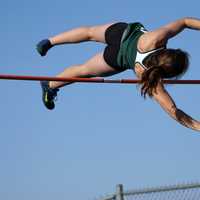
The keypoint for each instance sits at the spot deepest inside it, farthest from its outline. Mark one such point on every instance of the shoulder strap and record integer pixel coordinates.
(141, 56)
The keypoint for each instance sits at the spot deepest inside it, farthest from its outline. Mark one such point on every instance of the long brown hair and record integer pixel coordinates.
(166, 63)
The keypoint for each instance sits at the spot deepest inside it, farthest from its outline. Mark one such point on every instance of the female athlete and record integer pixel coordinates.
(128, 46)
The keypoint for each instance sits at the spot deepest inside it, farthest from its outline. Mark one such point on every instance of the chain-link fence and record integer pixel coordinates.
(176, 192)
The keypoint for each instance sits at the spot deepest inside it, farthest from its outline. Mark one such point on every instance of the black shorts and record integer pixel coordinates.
(113, 37)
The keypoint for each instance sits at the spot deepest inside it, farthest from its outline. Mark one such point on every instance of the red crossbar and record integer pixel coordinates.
(88, 80)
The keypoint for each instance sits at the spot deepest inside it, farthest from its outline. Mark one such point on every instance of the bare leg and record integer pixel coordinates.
(82, 34)
(95, 67)
(93, 33)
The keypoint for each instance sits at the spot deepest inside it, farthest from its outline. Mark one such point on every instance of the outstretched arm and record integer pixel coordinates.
(167, 103)
(172, 29)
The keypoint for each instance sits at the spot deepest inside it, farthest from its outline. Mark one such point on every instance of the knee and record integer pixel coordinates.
(91, 32)
(88, 31)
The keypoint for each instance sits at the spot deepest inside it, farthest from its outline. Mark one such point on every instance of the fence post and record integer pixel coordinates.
(119, 192)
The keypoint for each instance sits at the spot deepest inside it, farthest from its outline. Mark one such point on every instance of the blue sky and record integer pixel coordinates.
(98, 135)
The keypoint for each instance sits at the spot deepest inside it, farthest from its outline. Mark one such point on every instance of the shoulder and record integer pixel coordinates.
(150, 41)
(164, 33)
(160, 36)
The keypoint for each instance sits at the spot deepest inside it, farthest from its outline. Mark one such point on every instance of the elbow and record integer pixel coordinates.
(185, 21)
(175, 113)
(173, 110)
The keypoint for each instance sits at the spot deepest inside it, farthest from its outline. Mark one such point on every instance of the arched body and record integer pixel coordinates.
(99, 65)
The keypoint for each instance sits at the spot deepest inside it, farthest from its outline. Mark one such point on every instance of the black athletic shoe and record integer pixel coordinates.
(43, 46)
(48, 95)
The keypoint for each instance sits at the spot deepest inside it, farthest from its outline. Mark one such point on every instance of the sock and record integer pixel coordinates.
(43, 46)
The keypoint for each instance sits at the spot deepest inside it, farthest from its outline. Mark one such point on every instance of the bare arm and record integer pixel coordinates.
(167, 103)
(172, 29)
(192, 23)
(176, 27)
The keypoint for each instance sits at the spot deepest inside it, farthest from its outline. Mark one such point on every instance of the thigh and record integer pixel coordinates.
(97, 66)
(108, 33)
(97, 33)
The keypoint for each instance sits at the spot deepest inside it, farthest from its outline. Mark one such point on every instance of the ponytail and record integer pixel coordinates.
(150, 79)
(167, 63)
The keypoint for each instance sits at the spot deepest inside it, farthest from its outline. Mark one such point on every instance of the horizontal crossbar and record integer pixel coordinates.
(88, 80)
